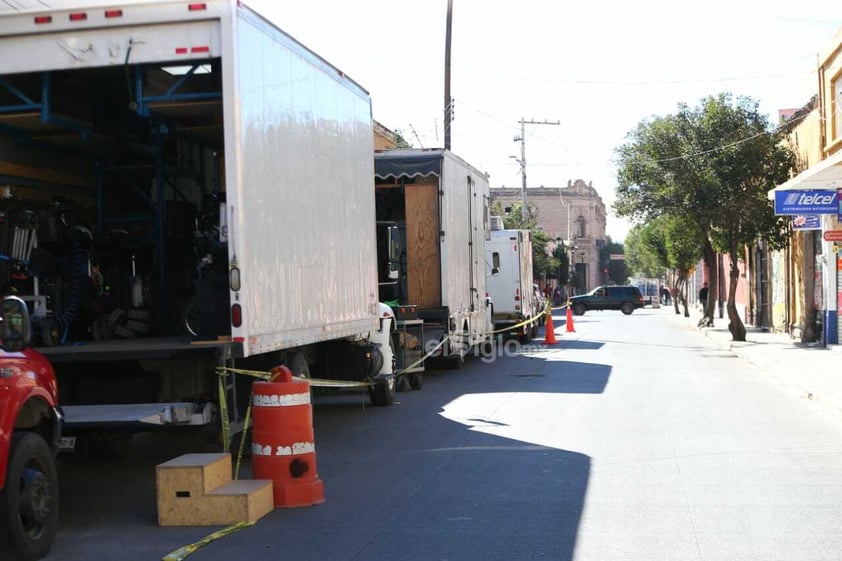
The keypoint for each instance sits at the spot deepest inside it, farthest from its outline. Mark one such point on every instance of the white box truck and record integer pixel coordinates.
(508, 258)
(184, 166)
(441, 204)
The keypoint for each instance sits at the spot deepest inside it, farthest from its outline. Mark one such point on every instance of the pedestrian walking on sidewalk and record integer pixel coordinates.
(703, 295)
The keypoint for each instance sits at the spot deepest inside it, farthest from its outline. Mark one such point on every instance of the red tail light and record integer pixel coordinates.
(236, 315)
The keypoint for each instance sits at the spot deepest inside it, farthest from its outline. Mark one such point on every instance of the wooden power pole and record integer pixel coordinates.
(524, 213)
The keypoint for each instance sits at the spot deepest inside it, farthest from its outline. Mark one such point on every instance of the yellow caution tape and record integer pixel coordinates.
(423, 358)
(182, 552)
(223, 413)
(546, 311)
(223, 403)
(314, 382)
(253, 373)
(246, 422)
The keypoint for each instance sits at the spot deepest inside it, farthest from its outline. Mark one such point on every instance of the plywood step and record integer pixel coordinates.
(196, 490)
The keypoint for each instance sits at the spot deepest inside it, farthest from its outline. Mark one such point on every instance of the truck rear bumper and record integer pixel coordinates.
(135, 416)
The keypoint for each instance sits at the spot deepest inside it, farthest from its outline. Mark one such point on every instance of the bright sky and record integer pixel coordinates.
(598, 68)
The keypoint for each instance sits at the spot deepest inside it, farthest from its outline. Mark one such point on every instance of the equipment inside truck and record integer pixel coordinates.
(110, 219)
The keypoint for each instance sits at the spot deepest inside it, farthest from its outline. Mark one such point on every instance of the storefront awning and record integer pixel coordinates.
(825, 175)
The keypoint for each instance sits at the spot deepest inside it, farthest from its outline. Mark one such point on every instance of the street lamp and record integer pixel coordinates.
(584, 276)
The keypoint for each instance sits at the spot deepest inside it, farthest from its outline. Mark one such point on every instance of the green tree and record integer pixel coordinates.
(683, 253)
(642, 253)
(713, 165)
(615, 270)
(400, 140)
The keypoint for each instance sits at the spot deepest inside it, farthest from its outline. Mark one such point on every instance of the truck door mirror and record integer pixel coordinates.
(495, 263)
(15, 326)
(394, 236)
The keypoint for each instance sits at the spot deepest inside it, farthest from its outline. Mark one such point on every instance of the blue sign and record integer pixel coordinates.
(807, 222)
(806, 202)
(839, 198)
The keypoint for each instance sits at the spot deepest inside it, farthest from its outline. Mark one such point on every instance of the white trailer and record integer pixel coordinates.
(442, 205)
(185, 165)
(508, 262)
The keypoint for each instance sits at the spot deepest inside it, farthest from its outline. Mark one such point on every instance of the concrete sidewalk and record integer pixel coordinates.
(812, 372)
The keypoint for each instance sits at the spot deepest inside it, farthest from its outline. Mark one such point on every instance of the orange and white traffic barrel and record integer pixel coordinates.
(283, 447)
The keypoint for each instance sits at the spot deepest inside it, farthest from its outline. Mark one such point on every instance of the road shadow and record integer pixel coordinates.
(435, 476)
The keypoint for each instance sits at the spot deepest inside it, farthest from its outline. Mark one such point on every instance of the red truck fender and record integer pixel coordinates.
(28, 393)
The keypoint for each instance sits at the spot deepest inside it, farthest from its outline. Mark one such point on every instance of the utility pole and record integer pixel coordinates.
(448, 102)
(524, 211)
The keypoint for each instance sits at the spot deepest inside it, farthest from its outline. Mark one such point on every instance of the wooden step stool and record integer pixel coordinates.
(197, 490)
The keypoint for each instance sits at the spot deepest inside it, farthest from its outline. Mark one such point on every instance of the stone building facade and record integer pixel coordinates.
(575, 214)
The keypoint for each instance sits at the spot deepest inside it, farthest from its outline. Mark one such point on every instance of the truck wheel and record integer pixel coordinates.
(627, 308)
(487, 347)
(416, 381)
(190, 318)
(29, 501)
(382, 393)
(578, 309)
(298, 366)
(526, 336)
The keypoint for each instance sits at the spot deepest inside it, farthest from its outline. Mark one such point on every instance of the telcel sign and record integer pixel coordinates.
(805, 202)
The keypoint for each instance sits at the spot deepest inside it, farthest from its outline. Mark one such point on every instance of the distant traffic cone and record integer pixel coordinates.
(570, 320)
(549, 331)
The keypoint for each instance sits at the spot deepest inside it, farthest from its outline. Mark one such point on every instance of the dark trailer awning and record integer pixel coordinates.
(407, 164)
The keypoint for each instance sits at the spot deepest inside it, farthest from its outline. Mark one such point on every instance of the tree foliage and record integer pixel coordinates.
(616, 270)
(710, 165)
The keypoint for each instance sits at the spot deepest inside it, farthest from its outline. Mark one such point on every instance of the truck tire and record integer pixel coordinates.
(382, 392)
(578, 309)
(298, 366)
(627, 308)
(416, 381)
(190, 318)
(29, 501)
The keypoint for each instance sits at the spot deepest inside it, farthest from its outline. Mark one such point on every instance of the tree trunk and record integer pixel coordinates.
(709, 256)
(735, 324)
(681, 296)
(675, 292)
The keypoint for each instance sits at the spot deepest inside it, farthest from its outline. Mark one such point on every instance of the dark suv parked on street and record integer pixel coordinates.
(623, 298)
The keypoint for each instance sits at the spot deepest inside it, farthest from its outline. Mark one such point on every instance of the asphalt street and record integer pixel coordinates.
(634, 438)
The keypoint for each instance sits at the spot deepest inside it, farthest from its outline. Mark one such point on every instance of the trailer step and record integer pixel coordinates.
(197, 490)
(136, 415)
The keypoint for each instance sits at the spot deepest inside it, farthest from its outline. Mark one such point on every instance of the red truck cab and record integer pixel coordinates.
(30, 426)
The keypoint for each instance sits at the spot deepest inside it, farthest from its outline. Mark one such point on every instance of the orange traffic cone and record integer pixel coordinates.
(570, 320)
(283, 448)
(549, 331)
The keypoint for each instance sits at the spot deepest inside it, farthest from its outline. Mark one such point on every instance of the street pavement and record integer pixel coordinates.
(634, 438)
(809, 370)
